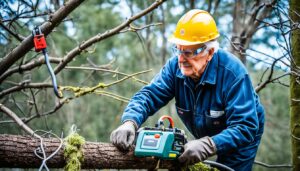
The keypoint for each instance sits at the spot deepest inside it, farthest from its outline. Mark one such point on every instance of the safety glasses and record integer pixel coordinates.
(187, 53)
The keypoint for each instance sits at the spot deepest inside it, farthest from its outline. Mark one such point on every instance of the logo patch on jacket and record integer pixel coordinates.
(216, 114)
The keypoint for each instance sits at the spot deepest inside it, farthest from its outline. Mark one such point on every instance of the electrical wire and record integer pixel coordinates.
(51, 72)
(218, 165)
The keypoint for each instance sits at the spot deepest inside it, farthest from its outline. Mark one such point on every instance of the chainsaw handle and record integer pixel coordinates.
(161, 119)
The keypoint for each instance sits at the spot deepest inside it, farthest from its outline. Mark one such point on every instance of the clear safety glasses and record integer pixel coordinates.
(187, 53)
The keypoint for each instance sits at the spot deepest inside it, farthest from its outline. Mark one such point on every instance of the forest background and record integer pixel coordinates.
(141, 47)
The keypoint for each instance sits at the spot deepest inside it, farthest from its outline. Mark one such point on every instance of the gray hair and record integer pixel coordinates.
(212, 44)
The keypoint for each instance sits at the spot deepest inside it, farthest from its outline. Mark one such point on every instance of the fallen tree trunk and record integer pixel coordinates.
(18, 152)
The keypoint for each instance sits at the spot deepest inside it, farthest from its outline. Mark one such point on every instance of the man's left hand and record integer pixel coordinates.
(198, 150)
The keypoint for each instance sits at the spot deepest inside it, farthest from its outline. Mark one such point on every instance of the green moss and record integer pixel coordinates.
(199, 167)
(73, 152)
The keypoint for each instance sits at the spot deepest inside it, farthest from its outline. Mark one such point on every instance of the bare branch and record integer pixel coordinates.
(134, 28)
(127, 77)
(81, 91)
(24, 85)
(217, 3)
(27, 44)
(17, 36)
(269, 79)
(56, 108)
(269, 56)
(34, 103)
(76, 51)
(112, 95)
(21, 16)
(106, 70)
(105, 66)
(28, 66)
(18, 120)
(245, 26)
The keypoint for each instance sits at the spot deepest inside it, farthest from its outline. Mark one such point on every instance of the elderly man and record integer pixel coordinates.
(214, 98)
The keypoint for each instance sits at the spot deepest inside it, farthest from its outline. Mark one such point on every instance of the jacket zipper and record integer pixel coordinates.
(194, 110)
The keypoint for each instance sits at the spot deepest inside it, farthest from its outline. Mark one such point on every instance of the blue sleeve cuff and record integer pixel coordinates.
(219, 144)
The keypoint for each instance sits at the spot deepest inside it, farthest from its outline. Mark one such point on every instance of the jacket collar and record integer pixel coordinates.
(210, 73)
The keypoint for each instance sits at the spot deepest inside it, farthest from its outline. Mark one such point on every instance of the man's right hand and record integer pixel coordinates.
(123, 137)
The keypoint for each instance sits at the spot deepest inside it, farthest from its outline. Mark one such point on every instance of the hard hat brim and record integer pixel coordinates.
(178, 41)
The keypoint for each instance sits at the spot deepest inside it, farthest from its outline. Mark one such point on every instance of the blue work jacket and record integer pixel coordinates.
(222, 105)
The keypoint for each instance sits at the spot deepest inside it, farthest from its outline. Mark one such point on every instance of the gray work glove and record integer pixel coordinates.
(197, 150)
(123, 137)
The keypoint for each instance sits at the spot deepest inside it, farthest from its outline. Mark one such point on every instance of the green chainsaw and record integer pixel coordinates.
(160, 142)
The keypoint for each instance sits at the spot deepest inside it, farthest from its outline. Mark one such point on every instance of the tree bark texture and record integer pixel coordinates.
(295, 85)
(18, 152)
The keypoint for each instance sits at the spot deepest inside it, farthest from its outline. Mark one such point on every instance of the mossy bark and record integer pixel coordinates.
(18, 152)
(295, 87)
(73, 152)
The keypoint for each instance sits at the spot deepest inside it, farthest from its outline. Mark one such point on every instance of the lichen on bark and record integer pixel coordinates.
(199, 167)
(73, 152)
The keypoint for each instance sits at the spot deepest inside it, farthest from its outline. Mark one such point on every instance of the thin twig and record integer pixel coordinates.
(17, 36)
(22, 86)
(12, 115)
(106, 70)
(269, 79)
(28, 66)
(27, 44)
(129, 76)
(34, 102)
(134, 28)
(101, 36)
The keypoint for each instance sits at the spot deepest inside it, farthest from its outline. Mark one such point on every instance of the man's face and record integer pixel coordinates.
(193, 66)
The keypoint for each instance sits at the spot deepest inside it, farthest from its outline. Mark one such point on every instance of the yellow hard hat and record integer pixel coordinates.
(195, 27)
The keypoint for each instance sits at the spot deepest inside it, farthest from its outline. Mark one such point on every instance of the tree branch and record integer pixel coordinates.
(27, 44)
(28, 66)
(245, 26)
(17, 36)
(76, 51)
(24, 85)
(269, 79)
(12, 115)
(106, 70)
